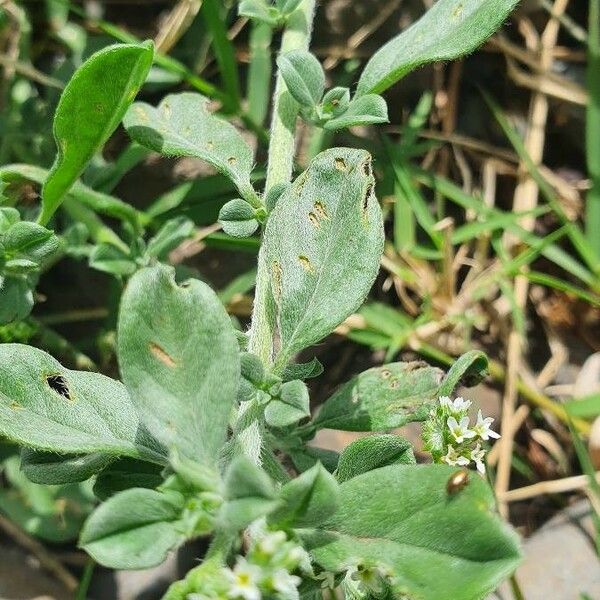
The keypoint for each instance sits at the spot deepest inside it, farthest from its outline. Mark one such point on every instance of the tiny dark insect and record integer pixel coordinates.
(59, 384)
(457, 481)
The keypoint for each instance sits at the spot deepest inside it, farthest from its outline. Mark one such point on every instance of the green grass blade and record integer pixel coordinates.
(578, 239)
(223, 48)
(593, 128)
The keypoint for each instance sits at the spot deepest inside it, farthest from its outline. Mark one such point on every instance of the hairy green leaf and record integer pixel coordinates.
(181, 125)
(249, 494)
(308, 500)
(451, 28)
(363, 110)
(468, 369)
(382, 398)
(134, 529)
(322, 246)
(292, 405)
(402, 518)
(54, 469)
(304, 77)
(373, 452)
(127, 473)
(90, 109)
(47, 407)
(179, 360)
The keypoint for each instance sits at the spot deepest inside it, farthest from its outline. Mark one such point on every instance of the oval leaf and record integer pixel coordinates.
(54, 469)
(181, 125)
(179, 359)
(90, 109)
(322, 246)
(402, 518)
(373, 452)
(47, 407)
(382, 398)
(134, 529)
(451, 28)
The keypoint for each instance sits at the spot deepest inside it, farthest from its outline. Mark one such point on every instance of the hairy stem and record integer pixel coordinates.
(282, 148)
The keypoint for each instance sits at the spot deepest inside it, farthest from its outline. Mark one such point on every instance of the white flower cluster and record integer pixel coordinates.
(267, 571)
(451, 439)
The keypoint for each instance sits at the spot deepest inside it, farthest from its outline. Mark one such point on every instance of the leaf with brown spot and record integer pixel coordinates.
(186, 384)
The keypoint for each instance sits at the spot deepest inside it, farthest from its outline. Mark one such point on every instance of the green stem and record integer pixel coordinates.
(86, 580)
(282, 148)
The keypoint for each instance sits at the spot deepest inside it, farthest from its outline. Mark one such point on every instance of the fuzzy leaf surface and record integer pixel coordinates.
(179, 360)
(47, 407)
(382, 398)
(322, 245)
(451, 28)
(90, 109)
(403, 518)
(181, 125)
(134, 529)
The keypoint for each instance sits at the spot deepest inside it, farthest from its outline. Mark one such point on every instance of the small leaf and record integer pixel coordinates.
(181, 125)
(373, 452)
(274, 193)
(303, 76)
(308, 500)
(363, 110)
(47, 407)
(134, 529)
(303, 371)
(382, 398)
(179, 359)
(322, 245)
(127, 473)
(336, 101)
(402, 518)
(16, 299)
(257, 9)
(292, 405)
(468, 370)
(90, 109)
(54, 469)
(170, 236)
(451, 28)
(30, 241)
(110, 259)
(8, 217)
(249, 494)
(238, 218)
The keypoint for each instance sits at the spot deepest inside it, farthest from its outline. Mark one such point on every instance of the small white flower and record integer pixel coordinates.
(477, 456)
(460, 430)
(271, 542)
(460, 404)
(244, 580)
(445, 402)
(482, 428)
(453, 458)
(286, 584)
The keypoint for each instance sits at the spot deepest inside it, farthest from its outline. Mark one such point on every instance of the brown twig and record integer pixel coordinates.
(47, 560)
